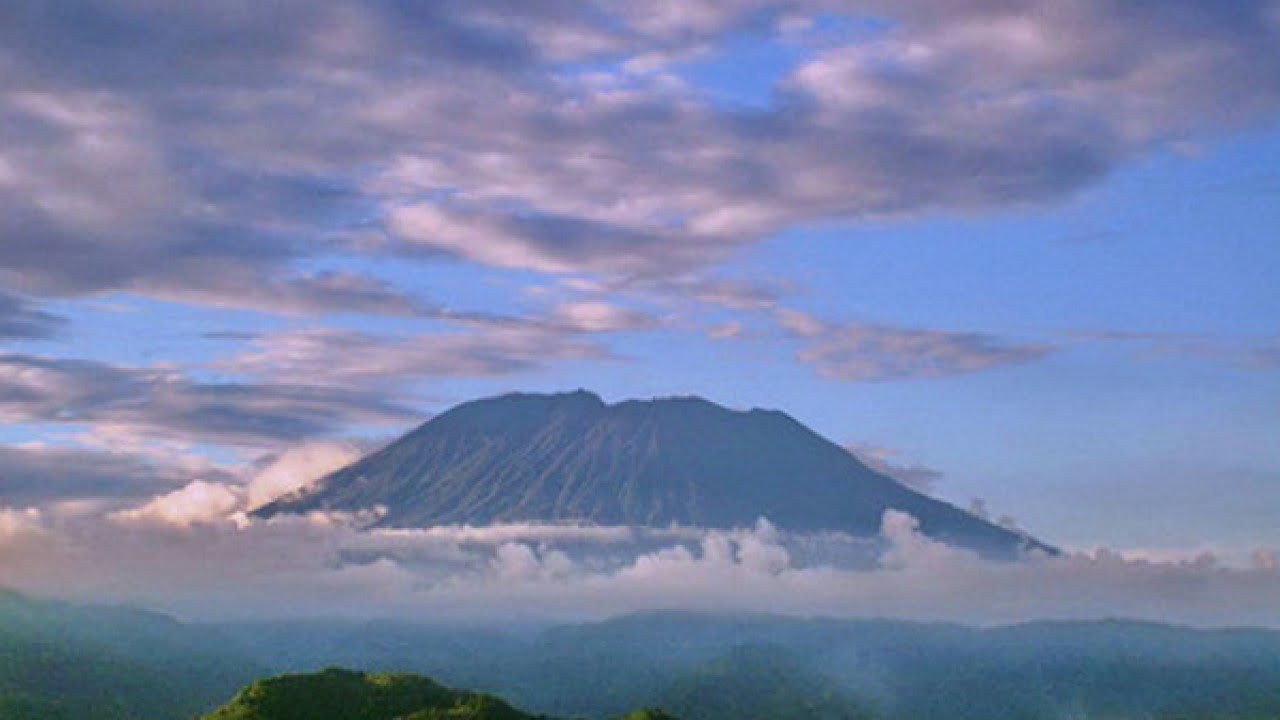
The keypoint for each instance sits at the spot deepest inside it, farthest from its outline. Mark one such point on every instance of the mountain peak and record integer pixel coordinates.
(579, 398)
(581, 395)
(571, 457)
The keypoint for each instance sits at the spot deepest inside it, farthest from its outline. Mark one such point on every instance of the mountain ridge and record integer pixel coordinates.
(572, 457)
(64, 661)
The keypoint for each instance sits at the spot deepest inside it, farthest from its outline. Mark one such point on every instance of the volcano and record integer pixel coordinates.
(571, 457)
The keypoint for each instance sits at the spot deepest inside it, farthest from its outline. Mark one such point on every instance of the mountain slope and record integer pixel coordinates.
(760, 682)
(740, 667)
(67, 662)
(917, 671)
(336, 694)
(571, 457)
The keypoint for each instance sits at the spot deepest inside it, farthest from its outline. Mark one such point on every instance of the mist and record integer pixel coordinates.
(192, 553)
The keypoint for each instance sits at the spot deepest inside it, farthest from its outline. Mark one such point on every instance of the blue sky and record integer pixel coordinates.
(1030, 246)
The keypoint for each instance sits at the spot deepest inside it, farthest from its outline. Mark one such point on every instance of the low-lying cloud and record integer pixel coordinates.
(206, 559)
(215, 501)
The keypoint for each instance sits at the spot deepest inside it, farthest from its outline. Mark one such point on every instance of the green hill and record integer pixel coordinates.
(337, 694)
(760, 682)
(60, 661)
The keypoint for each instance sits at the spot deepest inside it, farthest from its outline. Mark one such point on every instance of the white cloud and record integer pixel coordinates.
(210, 179)
(726, 330)
(601, 316)
(197, 502)
(882, 459)
(202, 502)
(869, 352)
(343, 358)
(1266, 558)
(296, 468)
(327, 564)
(15, 524)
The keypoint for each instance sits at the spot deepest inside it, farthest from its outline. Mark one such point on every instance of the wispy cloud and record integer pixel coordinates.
(872, 352)
(163, 403)
(1255, 353)
(349, 358)
(39, 474)
(20, 319)
(920, 478)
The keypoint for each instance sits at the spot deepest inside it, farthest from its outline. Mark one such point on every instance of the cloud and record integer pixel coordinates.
(20, 320)
(163, 403)
(1253, 353)
(918, 477)
(725, 292)
(871, 352)
(196, 564)
(968, 107)
(601, 316)
(1264, 355)
(548, 242)
(727, 330)
(1266, 558)
(298, 293)
(346, 357)
(205, 502)
(204, 153)
(196, 502)
(110, 471)
(34, 474)
(91, 200)
(1247, 353)
(19, 524)
(296, 468)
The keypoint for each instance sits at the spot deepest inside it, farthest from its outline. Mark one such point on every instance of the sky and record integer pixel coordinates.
(1019, 253)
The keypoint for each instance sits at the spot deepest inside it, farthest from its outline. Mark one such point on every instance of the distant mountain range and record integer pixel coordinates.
(571, 457)
(67, 662)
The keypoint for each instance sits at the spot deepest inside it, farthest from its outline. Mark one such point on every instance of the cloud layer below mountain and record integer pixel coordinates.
(194, 552)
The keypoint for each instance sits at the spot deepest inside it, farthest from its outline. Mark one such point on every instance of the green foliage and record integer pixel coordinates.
(730, 667)
(337, 694)
(647, 714)
(760, 683)
(66, 662)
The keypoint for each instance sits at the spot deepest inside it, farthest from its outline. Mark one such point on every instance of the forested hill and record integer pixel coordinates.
(337, 694)
(60, 661)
